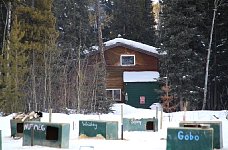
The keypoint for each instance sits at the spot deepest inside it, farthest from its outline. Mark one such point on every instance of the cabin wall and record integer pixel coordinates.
(142, 94)
(143, 62)
(114, 70)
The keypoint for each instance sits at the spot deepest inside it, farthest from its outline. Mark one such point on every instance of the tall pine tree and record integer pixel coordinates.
(37, 23)
(218, 72)
(3, 14)
(185, 34)
(185, 49)
(75, 37)
(134, 20)
(13, 64)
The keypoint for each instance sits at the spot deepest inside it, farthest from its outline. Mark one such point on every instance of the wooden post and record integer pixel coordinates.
(156, 112)
(161, 118)
(121, 122)
(73, 125)
(50, 114)
(185, 109)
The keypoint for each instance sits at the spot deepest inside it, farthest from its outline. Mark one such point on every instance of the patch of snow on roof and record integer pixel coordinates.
(132, 43)
(141, 76)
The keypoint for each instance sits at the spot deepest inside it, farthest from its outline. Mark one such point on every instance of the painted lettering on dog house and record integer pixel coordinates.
(189, 139)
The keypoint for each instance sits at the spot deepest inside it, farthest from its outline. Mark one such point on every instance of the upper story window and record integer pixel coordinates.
(127, 60)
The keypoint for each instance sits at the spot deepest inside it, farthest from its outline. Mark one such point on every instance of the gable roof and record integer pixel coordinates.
(137, 46)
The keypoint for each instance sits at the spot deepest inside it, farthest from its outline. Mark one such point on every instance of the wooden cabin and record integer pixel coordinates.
(132, 69)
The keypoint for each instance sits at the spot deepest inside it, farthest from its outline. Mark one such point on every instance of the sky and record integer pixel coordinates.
(146, 140)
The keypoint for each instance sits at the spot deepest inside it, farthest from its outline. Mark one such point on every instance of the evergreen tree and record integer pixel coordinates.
(3, 14)
(75, 37)
(72, 23)
(185, 49)
(15, 73)
(133, 19)
(13, 64)
(106, 16)
(80, 86)
(218, 72)
(32, 39)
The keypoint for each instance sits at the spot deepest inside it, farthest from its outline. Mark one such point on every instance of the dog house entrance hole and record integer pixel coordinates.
(19, 127)
(52, 133)
(150, 125)
(192, 125)
(197, 125)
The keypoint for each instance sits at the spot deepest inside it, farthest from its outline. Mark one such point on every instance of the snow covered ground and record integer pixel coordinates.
(147, 140)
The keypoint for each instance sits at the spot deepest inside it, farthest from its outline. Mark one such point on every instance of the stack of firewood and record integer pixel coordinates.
(29, 116)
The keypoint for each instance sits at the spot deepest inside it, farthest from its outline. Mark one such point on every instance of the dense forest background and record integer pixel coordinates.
(43, 63)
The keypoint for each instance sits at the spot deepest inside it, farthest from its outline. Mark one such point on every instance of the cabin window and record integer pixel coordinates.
(114, 94)
(127, 60)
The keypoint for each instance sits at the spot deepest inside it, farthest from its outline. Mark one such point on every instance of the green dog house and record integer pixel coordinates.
(17, 126)
(189, 139)
(46, 134)
(93, 128)
(143, 124)
(216, 125)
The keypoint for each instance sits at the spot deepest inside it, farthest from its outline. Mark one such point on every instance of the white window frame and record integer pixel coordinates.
(113, 94)
(121, 57)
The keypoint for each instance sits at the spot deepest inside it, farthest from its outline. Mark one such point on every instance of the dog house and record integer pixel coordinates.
(17, 127)
(216, 125)
(93, 128)
(143, 124)
(46, 134)
(189, 138)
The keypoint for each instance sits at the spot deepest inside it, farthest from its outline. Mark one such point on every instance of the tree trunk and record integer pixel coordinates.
(65, 85)
(100, 40)
(181, 102)
(49, 83)
(101, 86)
(8, 24)
(33, 76)
(34, 82)
(208, 56)
(45, 82)
(79, 73)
